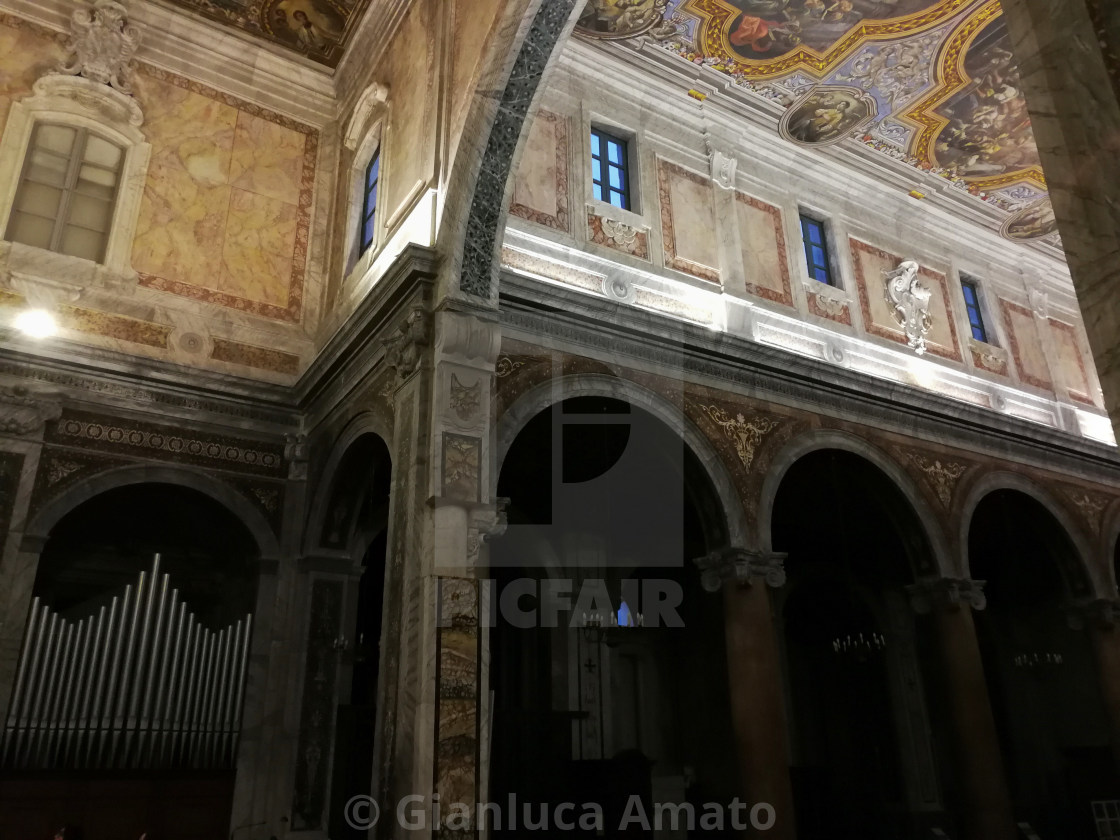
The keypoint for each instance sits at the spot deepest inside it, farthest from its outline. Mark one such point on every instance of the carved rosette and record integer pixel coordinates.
(946, 595)
(102, 44)
(909, 298)
(745, 433)
(741, 566)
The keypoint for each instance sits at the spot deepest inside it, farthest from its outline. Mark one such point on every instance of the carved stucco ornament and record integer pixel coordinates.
(722, 167)
(741, 566)
(24, 410)
(487, 523)
(745, 433)
(946, 594)
(830, 305)
(465, 399)
(102, 44)
(942, 475)
(507, 366)
(909, 299)
(405, 350)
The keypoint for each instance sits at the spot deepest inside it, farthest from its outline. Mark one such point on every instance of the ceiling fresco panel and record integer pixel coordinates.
(318, 29)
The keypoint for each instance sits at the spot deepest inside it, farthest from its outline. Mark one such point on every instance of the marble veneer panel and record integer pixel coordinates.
(688, 224)
(226, 211)
(871, 264)
(540, 193)
(765, 259)
(251, 356)
(1071, 361)
(1026, 345)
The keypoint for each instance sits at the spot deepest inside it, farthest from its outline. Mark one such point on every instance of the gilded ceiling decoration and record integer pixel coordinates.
(317, 28)
(931, 83)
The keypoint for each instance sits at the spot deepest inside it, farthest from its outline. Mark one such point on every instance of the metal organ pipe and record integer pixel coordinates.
(140, 685)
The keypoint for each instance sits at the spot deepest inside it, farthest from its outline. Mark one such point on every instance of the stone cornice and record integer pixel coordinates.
(548, 316)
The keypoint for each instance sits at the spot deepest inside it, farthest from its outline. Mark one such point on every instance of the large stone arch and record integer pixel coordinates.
(536, 399)
(365, 423)
(39, 526)
(815, 440)
(526, 39)
(1006, 480)
(1108, 545)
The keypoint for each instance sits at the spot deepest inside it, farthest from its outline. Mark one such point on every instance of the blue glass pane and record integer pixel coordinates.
(973, 317)
(818, 255)
(614, 152)
(624, 617)
(814, 232)
(616, 199)
(978, 333)
(367, 234)
(969, 294)
(374, 168)
(599, 191)
(595, 144)
(820, 274)
(616, 177)
(596, 171)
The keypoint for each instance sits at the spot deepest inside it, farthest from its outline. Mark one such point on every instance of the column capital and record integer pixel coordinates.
(1098, 613)
(742, 566)
(946, 594)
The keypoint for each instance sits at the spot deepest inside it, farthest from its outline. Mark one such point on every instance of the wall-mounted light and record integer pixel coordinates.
(36, 323)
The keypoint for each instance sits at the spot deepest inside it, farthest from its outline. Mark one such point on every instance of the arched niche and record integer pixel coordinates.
(1039, 661)
(863, 754)
(609, 505)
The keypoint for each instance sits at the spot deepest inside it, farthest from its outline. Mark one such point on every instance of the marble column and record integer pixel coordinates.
(1062, 56)
(755, 679)
(979, 765)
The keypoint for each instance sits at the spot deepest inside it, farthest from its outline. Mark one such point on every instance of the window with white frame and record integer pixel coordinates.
(67, 192)
(368, 231)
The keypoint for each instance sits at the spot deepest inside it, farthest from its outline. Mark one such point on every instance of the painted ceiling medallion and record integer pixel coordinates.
(930, 83)
(316, 28)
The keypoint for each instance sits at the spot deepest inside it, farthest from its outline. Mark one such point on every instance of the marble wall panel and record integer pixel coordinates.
(1071, 361)
(540, 192)
(688, 225)
(27, 51)
(226, 211)
(871, 264)
(257, 357)
(1026, 345)
(765, 259)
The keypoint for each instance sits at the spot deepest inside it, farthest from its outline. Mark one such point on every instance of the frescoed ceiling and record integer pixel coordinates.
(317, 28)
(930, 83)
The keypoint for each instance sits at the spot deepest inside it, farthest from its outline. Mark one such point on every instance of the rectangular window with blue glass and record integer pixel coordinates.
(975, 314)
(816, 250)
(369, 201)
(610, 175)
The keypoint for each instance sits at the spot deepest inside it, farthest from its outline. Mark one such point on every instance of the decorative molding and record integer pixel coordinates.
(723, 167)
(1089, 504)
(87, 431)
(941, 475)
(1097, 613)
(946, 594)
(666, 171)
(25, 409)
(368, 108)
(825, 306)
(507, 366)
(487, 523)
(619, 287)
(910, 299)
(1009, 311)
(785, 295)
(102, 44)
(297, 454)
(1039, 301)
(745, 433)
(479, 266)
(742, 566)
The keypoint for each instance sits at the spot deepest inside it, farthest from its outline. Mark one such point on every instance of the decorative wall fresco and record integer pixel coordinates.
(317, 28)
(930, 83)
